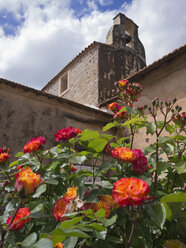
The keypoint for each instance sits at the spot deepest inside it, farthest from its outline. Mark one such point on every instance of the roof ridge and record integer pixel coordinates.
(86, 49)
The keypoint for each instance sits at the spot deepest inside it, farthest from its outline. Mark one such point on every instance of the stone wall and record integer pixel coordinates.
(166, 81)
(54, 88)
(26, 113)
(115, 64)
(82, 80)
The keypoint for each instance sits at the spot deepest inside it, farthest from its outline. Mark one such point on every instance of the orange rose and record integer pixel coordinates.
(59, 245)
(123, 153)
(27, 181)
(123, 83)
(18, 222)
(71, 193)
(34, 144)
(4, 157)
(60, 209)
(132, 191)
(113, 107)
(106, 202)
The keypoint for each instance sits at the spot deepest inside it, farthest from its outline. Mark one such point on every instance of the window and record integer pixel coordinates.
(63, 84)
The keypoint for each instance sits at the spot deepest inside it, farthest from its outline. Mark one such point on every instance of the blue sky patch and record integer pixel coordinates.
(80, 7)
(9, 22)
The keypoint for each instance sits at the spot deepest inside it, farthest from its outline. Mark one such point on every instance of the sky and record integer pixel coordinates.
(39, 37)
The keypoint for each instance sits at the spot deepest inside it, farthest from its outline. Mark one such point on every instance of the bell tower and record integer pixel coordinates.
(122, 55)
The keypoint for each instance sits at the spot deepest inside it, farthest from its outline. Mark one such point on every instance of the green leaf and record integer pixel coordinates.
(37, 208)
(19, 154)
(38, 215)
(170, 128)
(29, 240)
(163, 139)
(110, 125)
(75, 233)
(98, 144)
(157, 213)
(109, 222)
(72, 214)
(150, 128)
(58, 236)
(97, 226)
(69, 223)
(88, 134)
(180, 167)
(100, 213)
(100, 235)
(11, 205)
(174, 197)
(46, 243)
(168, 148)
(162, 166)
(77, 159)
(51, 181)
(55, 150)
(70, 242)
(132, 121)
(160, 124)
(130, 110)
(40, 190)
(14, 163)
(149, 149)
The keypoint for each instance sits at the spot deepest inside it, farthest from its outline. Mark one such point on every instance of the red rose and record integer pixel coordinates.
(67, 133)
(18, 222)
(140, 162)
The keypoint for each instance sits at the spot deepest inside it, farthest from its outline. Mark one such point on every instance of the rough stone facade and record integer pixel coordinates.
(164, 79)
(26, 113)
(117, 64)
(83, 78)
(91, 75)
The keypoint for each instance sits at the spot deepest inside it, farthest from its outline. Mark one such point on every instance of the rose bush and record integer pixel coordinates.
(125, 198)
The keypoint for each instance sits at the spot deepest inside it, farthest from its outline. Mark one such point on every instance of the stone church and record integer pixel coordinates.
(79, 93)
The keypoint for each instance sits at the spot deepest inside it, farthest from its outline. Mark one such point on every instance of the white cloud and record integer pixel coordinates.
(52, 35)
(161, 25)
(105, 2)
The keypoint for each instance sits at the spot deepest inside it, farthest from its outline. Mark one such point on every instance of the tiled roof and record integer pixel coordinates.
(82, 53)
(49, 96)
(157, 63)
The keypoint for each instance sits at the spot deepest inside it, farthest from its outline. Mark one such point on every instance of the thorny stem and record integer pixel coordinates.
(165, 114)
(174, 181)
(134, 219)
(40, 159)
(8, 175)
(132, 232)
(93, 171)
(132, 136)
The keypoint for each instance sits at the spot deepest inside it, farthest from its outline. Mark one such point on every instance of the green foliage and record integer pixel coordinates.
(85, 162)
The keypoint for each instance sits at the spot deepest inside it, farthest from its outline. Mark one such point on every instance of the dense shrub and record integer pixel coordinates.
(135, 198)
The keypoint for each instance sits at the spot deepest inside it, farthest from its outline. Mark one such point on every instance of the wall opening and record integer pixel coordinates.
(63, 87)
